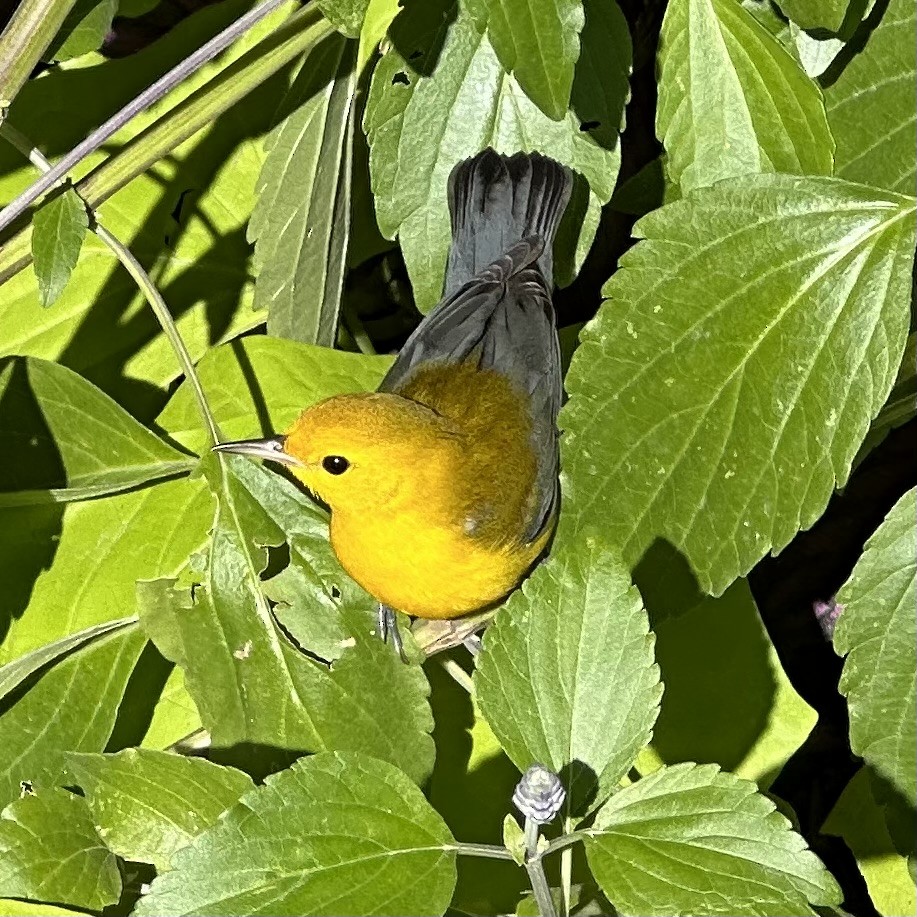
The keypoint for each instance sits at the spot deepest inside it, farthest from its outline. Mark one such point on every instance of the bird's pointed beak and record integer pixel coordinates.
(269, 448)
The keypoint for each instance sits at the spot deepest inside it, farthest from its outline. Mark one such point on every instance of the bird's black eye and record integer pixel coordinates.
(335, 464)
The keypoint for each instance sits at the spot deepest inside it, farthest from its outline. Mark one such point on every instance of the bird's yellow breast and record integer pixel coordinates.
(425, 571)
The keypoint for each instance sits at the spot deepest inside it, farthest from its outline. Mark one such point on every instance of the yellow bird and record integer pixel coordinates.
(443, 484)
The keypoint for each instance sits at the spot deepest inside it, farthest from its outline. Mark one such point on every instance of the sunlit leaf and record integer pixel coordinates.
(727, 698)
(347, 15)
(83, 30)
(539, 43)
(290, 377)
(567, 676)
(422, 120)
(732, 101)
(186, 215)
(98, 446)
(14, 673)
(301, 221)
(816, 14)
(59, 228)
(857, 818)
(720, 396)
(69, 569)
(871, 105)
(693, 840)
(334, 834)
(249, 681)
(51, 851)
(148, 804)
(71, 707)
(877, 632)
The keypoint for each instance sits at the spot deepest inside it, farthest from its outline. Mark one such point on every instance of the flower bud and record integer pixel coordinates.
(539, 794)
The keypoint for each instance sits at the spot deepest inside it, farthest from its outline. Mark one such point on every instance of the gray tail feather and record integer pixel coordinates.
(496, 201)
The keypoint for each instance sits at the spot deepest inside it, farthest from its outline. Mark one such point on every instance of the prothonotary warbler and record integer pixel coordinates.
(443, 484)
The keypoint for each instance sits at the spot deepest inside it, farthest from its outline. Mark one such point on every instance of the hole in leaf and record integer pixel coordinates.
(176, 211)
(402, 78)
(590, 125)
(278, 559)
(335, 592)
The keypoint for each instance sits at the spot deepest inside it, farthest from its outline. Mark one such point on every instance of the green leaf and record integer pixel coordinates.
(334, 834)
(345, 15)
(902, 402)
(877, 632)
(132, 9)
(13, 908)
(175, 716)
(71, 707)
(815, 54)
(857, 818)
(426, 113)
(97, 446)
(59, 228)
(732, 101)
(302, 219)
(871, 105)
(83, 30)
(148, 804)
(538, 43)
(567, 676)
(94, 555)
(722, 394)
(14, 673)
(248, 680)
(50, 850)
(514, 839)
(290, 377)
(816, 14)
(690, 839)
(376, 22)
(727, 699)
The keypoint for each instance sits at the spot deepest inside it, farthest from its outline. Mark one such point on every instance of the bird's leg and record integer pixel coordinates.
(472, 644)
(388, 624)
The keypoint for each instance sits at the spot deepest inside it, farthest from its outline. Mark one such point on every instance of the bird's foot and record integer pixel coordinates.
(388, 624)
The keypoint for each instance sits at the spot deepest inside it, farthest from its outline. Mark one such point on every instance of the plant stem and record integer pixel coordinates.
(565, 840)
(491, 851)
(25, 39)
(161, 311)
(358, 332)
(458, 673)
(146, 98)
(566, 874)
(141, 278)
(301, 31)
(536, 871)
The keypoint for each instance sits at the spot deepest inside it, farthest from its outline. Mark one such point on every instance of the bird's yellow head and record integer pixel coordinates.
(365, 451)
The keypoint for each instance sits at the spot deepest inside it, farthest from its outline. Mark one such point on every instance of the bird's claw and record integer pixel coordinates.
(388, 624)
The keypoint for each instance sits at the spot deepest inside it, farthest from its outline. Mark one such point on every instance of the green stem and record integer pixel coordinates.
(25, 39)
(358, 332)
(535, 870)
(492, 851)
(161, 311)
(141, 278)
(565, 840)
(458, 673)
(566, 873)
(151, 94)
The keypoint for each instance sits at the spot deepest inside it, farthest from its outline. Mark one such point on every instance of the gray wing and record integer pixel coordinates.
(502, 320)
